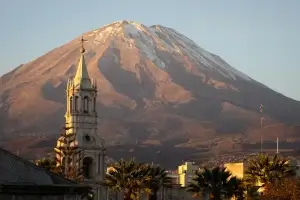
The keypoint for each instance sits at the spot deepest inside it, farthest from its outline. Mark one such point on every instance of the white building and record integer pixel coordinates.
(81, 123)
(186, 173)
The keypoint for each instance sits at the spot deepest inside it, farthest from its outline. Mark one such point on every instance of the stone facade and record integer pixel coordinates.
(81, 122)
(173, 193)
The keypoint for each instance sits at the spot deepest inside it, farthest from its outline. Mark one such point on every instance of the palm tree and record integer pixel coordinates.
(242, 189)
(288, 189)
(156, 178)
(128, 177)
(237, 188)
(264, 169)
(217, 183)
(250, 190)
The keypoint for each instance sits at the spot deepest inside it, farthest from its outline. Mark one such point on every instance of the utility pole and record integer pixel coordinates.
(277, 146)
(261, 127)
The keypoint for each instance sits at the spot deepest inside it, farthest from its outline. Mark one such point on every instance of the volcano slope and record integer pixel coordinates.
(155, 86)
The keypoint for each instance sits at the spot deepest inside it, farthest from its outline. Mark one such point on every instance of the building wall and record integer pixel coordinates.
(167, 194)
(236, 169)
(298, 170)
(38, 197)
(187, 167)
(186, 173)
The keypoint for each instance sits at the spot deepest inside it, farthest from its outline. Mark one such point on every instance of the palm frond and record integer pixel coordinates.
(267, 169)
(215, 182)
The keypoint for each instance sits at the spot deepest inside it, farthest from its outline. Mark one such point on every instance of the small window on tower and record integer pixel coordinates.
(94, 106)
(71, 104)
(88, 167)
(86, 104)
(63, 162)
(76, 103)
(87, 138)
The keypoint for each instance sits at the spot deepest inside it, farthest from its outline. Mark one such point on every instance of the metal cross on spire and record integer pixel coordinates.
(82, 40)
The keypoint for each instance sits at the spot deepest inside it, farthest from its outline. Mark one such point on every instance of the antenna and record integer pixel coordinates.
(261, 127)
(277, 146)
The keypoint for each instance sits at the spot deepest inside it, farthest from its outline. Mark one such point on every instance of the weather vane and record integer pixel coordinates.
(82, 47)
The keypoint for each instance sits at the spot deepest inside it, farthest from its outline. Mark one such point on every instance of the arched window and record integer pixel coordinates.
(71, 104)
(99, 167)
(63, 162)
(88, 167)
(76, 103)
(86, 104)
(94, 102)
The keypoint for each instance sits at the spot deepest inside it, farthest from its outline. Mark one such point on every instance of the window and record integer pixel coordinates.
(63, 162)
(76, 103)
(71, 104)
(99, 160)
(87, 138)
(94, 101)
(86, 104)
(87, 167)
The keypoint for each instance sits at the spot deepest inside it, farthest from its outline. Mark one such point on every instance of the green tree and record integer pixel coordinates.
(237, 188)
(243, 190)
(216, 183)
(288, 189)
(156, 178)
(69, 157)
(68, 161)
(127, 176)
(264, 169)
(47, 163)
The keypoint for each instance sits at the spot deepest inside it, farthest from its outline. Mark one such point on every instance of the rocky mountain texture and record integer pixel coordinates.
(155, 86)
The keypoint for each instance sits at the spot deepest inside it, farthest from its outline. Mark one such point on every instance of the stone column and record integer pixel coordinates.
(80, 103)
(102, 164)
(98, 163)
(99, 194)
(71, 103)
(162, 192)
(94, 104)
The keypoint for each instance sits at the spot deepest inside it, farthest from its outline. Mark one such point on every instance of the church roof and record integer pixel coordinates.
(15, 170)
(82, 78)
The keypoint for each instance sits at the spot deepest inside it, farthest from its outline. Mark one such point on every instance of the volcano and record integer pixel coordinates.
(155, 85)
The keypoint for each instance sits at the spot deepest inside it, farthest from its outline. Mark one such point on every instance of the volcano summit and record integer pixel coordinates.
(154, 85)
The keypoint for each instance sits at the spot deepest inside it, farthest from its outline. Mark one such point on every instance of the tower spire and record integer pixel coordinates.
(82, 78)
(81, 133)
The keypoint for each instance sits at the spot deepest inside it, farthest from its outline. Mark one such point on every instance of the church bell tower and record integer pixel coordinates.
(81, 124)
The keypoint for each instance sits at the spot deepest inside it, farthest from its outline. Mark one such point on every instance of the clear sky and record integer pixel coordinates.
(258, 37)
